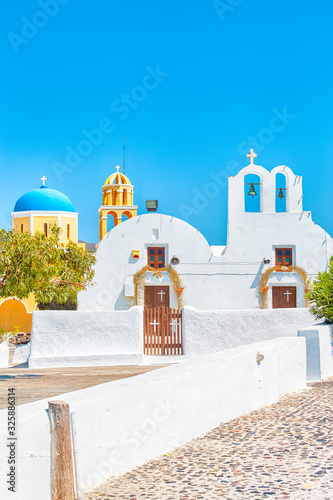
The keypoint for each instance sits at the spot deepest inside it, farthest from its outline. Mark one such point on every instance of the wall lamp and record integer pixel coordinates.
(174, 260)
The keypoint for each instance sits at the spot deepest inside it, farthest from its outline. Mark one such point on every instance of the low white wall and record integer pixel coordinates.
(319, 351)
(86, 338)
(21, 353)
(213, 331)
(97, 338)
(124, 423)
(4, 355)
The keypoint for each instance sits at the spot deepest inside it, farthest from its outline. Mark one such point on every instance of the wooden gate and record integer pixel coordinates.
(162, 331)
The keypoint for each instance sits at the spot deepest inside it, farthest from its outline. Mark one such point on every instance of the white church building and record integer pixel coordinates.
(232, 322)
(160, 289)
(268, 258)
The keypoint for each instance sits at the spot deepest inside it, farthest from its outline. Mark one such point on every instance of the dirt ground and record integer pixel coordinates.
(41, 383)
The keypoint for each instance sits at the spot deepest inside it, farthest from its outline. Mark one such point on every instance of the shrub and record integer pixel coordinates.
(5, 335)
(320, 295)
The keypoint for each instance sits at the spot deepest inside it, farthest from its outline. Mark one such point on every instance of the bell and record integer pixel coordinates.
(252, 191)
(280, 195)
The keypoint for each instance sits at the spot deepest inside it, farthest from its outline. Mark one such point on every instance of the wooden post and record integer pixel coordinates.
(62, 475)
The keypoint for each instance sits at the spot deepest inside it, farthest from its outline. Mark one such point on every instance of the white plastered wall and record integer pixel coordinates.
(226, 281)
(172, 405)
(90, 338)
(319, 351)
(72, 338)
(214, 331)
(115, 265)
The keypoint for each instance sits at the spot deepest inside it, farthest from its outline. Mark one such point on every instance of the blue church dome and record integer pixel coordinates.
(44, 199)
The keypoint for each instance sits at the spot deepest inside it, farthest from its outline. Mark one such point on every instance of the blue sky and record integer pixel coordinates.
(192, 85)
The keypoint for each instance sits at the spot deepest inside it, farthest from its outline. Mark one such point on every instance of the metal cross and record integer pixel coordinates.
(161, 293)
(43, 179)
(287, 293)
(251, 155)
(117, 168)
(154, 325)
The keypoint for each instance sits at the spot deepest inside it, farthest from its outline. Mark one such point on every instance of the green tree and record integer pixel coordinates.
(320, 295)
(43, 266)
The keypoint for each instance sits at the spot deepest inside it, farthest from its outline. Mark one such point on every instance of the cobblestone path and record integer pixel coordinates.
(281, 451)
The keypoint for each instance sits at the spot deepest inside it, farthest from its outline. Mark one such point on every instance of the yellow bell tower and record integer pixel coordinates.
(117, 201)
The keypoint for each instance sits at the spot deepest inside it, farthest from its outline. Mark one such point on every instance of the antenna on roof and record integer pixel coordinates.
(124, 156)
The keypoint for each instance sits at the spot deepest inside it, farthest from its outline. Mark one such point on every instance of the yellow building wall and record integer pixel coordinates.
(73, 236)
(30, 302)
(38, 222)
(102, 228)
(13, 313)
(18, 221)
(115, 196)
(38, 225)
(119, 211)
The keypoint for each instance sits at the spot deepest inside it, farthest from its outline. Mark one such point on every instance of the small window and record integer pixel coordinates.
(283, 257)
(21, 228)
(68, 231)
(45, 229)
(156, 257)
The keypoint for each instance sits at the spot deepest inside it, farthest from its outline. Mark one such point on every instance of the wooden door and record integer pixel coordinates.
(157, 296)
(284, 296)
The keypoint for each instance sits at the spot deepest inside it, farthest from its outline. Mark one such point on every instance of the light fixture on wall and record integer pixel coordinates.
(281, 195)
(252, 190)
(266, 260)
(151, 205)
(174, 261)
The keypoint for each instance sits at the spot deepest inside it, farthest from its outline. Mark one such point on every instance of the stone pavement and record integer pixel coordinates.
(280, 451)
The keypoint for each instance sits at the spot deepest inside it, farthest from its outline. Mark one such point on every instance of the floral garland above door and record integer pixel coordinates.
(263, 287)
(139, 279)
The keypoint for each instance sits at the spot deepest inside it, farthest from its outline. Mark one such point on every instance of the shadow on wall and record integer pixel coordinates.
(256, 281)
(14, 313)
(122, 302)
